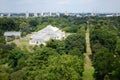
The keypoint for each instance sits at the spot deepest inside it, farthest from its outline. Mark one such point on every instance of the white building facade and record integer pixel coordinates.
(46, 34)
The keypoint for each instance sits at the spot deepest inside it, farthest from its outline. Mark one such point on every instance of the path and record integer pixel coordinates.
(88, 69)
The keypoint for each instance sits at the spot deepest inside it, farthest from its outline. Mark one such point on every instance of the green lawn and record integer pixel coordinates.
(23, 43)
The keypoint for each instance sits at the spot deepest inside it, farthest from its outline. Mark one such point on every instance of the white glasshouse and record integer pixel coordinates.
(46, 34)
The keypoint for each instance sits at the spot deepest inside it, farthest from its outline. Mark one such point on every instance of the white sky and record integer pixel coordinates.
(60, 5)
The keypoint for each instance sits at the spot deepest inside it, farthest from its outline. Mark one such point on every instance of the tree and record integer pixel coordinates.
(75, 51)
(103, 63)
(75, 40)
(59, 67)
(58, 45)
(33, 22)
(15, 55)
(8, 24)
(38, 60)
(118, 47)
(25, 28)
(18, 75)
(115, 74)
(3, 76)
(105, 38)
(5, 50)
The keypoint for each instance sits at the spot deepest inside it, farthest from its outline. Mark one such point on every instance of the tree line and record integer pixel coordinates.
(105, 40)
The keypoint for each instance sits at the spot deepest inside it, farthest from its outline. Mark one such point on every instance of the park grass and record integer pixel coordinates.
(88, 68)
(23, 43)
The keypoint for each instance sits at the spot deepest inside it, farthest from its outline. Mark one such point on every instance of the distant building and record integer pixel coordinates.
(42, 14)
(109, 15)
(58, 14)
(27, 14)
(93, 14)
(46, 34)
(66, 13)
(1, 15)
(50, 13)
(35, 14)
(78, 15)
(12, 34)
(8, 15)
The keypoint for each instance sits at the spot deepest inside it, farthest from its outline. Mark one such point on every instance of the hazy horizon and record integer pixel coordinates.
(76, 6)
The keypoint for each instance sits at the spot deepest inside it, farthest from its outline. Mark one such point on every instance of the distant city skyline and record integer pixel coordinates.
(75, 6)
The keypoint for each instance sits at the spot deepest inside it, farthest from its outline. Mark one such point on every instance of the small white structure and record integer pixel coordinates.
(46, 34)
(10, 34)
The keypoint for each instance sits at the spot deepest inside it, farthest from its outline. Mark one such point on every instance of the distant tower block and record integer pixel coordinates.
(42, 14)
(9, 15)
(50, 13)
(27, 14)
(58, 14)
(66, 13)
(1, 15)
(35, 14)
(92, 14)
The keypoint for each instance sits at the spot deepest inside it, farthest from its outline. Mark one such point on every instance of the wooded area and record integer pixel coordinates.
(61, 59)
